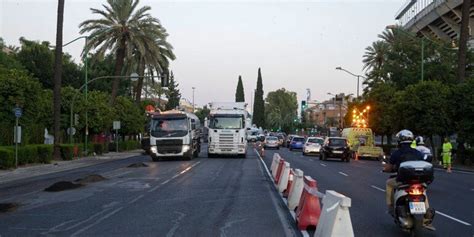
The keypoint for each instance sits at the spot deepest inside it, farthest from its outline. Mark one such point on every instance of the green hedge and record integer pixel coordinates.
(129, 145)
(7, 158)
(45, 153)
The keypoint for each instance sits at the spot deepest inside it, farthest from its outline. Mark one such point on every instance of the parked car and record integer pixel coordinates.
(335, 147)
(297, 142)
(271, 142)
(312, 145)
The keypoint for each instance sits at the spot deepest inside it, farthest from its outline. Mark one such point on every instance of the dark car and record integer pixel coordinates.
(335, 147)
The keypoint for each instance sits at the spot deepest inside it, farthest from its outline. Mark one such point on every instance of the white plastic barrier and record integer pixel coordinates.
(284, 175)
(296, 190)
(335, 220)
(275, 162)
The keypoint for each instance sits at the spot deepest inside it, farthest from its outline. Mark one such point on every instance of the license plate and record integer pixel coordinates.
(417, 207)
(337, 152)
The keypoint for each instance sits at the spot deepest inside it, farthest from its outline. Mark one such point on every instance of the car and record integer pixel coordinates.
(261, 137)
(335, 147)
(312, 145)
(271, 142)
(297, 142)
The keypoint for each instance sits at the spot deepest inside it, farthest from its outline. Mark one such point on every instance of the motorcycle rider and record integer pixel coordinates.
(420, 146)
(405, 152)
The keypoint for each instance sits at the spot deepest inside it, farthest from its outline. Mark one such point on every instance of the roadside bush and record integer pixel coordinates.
(45, 153)
(27, 154)
(7, 158)
(98, 148)
(129, 145)
(67, 151)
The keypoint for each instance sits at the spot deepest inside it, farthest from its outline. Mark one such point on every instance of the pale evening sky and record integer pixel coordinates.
(298, 44)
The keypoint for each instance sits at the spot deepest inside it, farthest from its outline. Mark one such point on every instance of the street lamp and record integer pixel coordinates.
(193, 98)
(358, 77)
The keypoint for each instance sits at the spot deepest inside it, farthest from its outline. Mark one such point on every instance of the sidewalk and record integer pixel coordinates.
(63, 165)
(457, 167)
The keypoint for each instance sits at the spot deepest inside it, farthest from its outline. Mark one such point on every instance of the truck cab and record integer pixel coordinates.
(361, 143)
(175, 134)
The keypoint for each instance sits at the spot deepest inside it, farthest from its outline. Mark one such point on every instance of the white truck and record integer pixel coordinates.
(227, 124)
(176, 134)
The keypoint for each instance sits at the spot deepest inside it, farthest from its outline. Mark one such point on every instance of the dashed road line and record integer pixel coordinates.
(452, 218)
(174, 176)
(323, 164)
(375, 187)
(342, 173)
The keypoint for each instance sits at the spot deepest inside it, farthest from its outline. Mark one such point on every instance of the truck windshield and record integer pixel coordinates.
(226, 122)
(169, 127)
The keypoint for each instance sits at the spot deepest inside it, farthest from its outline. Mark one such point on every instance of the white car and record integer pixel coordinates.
(312, 145)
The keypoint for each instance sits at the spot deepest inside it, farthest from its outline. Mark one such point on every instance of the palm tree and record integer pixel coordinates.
(58, 65)
(124, 29)
(374, 59)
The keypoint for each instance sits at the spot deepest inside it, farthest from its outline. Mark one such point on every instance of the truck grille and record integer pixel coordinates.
(169, 146)
(227, 141)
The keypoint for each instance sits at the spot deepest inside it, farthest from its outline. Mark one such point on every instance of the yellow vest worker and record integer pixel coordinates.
(447, 147)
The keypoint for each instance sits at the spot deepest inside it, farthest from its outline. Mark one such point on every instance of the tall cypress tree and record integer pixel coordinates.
(173, 94)
(239, 92)
(259, 103)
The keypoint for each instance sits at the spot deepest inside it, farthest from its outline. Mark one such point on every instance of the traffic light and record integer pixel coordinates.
(303, 105)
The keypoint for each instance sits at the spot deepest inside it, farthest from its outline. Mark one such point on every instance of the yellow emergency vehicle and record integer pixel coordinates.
(362, 144)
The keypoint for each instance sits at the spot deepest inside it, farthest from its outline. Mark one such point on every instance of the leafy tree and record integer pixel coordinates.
(202, 113)
(132, 118)
(463, 103)
(173, 93)
(100, 113)
(124, 28)
(38, 59)
(381, 100)
(281, 108)
(239, 92)
(259, 103)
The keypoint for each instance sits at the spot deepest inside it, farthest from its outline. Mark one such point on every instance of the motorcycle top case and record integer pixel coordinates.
(411, 171)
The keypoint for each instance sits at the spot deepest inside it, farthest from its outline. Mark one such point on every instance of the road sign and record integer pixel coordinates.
(71, 131)
(18, 112)
(116, 125)
(17, 134)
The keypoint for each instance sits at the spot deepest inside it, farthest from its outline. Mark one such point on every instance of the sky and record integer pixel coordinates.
(297, 44)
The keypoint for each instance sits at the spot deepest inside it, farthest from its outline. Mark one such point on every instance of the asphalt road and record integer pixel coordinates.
(452, 195)
(201, 197)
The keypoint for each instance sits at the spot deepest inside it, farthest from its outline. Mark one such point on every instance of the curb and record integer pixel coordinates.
(455, 169)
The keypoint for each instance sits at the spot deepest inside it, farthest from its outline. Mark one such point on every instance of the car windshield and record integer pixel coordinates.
(272, 138)
(298, 139)
(226, 122)
(316, 140)
(169, 127)
(337, 142)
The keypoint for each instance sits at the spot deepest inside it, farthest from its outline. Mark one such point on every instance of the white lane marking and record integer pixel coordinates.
(97, 221)
(454, 219)
(323, 164)
(380, 189)
(174, 176)
(136, 199)
(342, 173)
(274, 201)
(472, 189)
(443, 214)
(305, 233)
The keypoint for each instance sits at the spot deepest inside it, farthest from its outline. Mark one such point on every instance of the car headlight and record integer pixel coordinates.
(186, 148)
(153, 149)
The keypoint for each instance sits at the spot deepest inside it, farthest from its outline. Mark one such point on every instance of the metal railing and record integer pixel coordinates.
(415, 10)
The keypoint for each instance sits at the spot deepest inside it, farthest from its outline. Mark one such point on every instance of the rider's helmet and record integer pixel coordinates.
(405, 136)
(419, 141)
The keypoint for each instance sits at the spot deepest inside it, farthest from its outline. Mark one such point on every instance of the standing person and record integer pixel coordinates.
(447, 148)
(420, 146)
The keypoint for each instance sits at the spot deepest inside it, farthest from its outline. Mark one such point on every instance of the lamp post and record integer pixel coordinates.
(85, 83)
(355, 75)
(193, 98)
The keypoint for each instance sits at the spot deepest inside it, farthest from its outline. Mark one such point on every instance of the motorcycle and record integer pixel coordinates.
(409, 197)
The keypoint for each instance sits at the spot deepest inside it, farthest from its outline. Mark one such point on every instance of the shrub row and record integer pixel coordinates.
(26, 155)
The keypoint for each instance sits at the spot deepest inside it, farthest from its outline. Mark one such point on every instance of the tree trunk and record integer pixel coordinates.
(141, 73)
(58, 65)
(463, 38)
(120, 55)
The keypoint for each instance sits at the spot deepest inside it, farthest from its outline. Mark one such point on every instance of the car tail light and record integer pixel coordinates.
(415, 189)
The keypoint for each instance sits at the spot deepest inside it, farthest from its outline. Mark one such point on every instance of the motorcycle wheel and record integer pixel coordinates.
(417, 227)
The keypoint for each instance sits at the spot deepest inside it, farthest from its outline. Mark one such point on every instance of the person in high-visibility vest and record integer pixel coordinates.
(413, 144)
(447, 148)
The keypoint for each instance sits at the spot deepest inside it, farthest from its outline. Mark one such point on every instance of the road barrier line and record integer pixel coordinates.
(380, 189)
(452, 218)
(342, 173)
